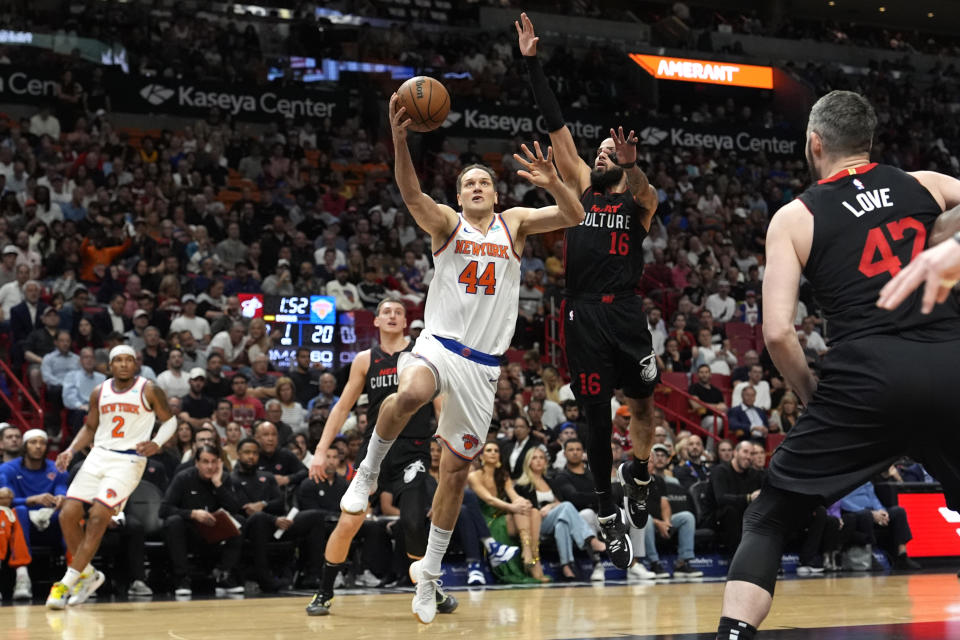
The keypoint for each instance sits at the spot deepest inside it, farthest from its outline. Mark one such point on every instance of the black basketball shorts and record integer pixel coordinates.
(608, 347)
(406, 466)
(878, 398)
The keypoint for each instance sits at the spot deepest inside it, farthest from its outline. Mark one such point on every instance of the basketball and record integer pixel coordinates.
(427, 102)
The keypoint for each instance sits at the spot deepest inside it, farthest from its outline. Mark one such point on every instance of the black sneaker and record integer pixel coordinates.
(682, 569)
(446, 603)
(903, 563)
(228, 583)
(634, 499)
(320, 605)
(659, 573)
(619, 547)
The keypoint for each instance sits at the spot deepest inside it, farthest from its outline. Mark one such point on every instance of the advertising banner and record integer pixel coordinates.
(730, 74)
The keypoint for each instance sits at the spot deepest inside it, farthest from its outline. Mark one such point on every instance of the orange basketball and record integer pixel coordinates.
(427, 102)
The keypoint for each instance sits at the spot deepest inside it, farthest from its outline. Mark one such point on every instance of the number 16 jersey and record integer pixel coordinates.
(868, 223)
(475, 291)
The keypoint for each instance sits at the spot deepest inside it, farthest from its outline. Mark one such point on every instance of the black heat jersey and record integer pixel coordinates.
(382, 380)
(603, 253)
(869, 222)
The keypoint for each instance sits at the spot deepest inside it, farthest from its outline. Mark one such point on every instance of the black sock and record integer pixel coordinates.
(606, 506)
(639, 470)
(330, 572)
(730, 629)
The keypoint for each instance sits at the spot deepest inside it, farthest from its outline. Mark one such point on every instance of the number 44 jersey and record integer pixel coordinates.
(475, 291)
(868, 223)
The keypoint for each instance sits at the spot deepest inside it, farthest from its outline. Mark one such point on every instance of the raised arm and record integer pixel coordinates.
(626, 157)
(539, 171)
(438, 220)
(338, 415)
(573, 169)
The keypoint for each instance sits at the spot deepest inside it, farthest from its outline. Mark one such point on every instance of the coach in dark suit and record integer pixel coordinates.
(112, 318)
(746, 419)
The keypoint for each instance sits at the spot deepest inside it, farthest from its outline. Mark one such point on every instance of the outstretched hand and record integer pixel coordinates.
(537, 169)
(528, 39)
(625, 146)
(399, 120)
(937, 269)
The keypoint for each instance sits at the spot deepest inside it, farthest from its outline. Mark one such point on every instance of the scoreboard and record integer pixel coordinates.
(304, 321)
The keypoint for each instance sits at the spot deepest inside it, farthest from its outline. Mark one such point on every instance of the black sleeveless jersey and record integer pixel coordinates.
(868, 223)
(603, 253)
(382, 380)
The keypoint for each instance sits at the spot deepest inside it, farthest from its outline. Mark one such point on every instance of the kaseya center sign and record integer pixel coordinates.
(730, 74)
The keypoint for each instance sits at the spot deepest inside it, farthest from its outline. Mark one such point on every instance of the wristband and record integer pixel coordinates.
(627, 165)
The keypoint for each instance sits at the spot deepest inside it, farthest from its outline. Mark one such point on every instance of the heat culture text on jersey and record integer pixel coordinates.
(384, 378)
(381, 381)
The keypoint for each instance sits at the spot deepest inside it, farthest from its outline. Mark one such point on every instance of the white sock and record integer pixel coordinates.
(437, 544)
(22, 572)
(71, 578)
(87, 570)
(488, 543)
(376, 452)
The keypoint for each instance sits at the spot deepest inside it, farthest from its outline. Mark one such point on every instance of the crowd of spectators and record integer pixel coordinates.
(109, 238)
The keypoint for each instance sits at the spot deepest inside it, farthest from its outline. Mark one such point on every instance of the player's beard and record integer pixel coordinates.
(808, 152)
(601, 180)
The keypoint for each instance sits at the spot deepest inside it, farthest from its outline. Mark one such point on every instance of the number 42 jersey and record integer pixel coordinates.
(868, 223)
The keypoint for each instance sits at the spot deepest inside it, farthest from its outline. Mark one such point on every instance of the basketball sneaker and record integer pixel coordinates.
(430, 597)
(59, 593)
(498, 553)
(23, 588)
(86, 587)
(357, 496)
(475, 575)
(634, 499)
(683, 570)
(320, 605)
(640, 572)
(619, 547)
(139, 589)
(183, 587)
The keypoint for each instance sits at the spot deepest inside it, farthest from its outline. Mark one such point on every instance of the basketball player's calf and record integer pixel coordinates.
(83, 540)
(634, 474)
(417, 386)
(753, 570)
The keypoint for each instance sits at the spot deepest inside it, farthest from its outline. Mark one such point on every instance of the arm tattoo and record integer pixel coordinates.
(637, 182)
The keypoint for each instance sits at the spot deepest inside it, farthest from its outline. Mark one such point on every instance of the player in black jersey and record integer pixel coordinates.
(374, 372)
(886, 386)
(608, 345)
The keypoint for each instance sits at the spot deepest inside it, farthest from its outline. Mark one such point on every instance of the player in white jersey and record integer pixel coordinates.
(123, 411)
(470, 316)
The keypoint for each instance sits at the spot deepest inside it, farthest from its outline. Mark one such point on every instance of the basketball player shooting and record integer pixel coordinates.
(886, 371)
(471, 312)
(374, 372)
(123, 411)
(608, 345)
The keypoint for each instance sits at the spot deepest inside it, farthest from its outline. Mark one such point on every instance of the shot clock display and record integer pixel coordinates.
(304, 321)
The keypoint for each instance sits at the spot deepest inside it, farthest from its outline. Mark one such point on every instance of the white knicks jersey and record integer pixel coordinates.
(475, 291)
(125, 418)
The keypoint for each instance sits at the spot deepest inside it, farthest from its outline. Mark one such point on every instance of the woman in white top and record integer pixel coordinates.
(258, 342)
(293, 412)
(234, 434)
(560, 519)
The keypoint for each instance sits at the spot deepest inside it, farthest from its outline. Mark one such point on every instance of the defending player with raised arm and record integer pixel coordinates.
(471, 312)
(123, 412)
(606, 347)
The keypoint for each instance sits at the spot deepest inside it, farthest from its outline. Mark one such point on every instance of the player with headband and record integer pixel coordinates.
(123, 412)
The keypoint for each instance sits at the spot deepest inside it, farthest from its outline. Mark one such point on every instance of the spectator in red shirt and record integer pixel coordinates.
(246, 409)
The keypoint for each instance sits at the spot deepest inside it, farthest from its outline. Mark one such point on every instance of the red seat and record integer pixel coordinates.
(721, 382)
(676, 379)
(736, 329)
(740, 345)
(774, 440)
(514, 355)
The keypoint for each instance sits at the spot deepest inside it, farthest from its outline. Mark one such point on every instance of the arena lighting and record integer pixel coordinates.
(706, 71)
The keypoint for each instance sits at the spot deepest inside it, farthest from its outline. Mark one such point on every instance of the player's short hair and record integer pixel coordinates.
(491, 172)
(386, 301)
(845, 121)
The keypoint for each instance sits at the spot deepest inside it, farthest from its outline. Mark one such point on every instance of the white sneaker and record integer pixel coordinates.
(640, 572)
(425, 599)
(599, 574)
(357, 496)
(809, 571)
(86, 588)
(139, 588)
(475, 574)
(367, 579)
(23, 588)
(340, 582)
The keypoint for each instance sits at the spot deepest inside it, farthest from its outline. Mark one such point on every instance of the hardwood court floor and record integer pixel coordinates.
(919, 606)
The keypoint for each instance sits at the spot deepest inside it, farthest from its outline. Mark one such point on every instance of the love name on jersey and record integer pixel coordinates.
(121, 407)
(869, 201)
(384, 378)
(471, 248)
(606, 217)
